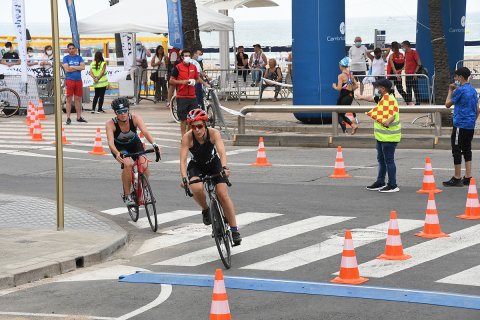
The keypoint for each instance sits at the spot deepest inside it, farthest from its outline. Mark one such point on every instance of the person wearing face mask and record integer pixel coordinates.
(196, 61)
(47, 57)
(258, 61)
(184, 77)
(412, 64)
(30, 61)
(358, 61)
(465, 98)
(141, 54)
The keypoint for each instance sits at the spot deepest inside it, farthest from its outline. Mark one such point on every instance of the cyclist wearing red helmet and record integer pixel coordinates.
(208, 158)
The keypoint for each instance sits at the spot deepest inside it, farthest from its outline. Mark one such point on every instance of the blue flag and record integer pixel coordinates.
(175, 33)
(73, 23)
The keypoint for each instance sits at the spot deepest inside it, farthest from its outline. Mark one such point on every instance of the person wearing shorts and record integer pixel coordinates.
(184, 77)
(465, 98)
(73, 65)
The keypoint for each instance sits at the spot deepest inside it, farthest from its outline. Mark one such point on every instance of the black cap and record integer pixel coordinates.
(387, 84)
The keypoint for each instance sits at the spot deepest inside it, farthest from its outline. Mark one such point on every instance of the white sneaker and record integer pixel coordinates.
(128, 200)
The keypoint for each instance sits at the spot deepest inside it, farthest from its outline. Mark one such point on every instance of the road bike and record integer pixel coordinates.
(220, 228)
(141, 191)
(9, 102)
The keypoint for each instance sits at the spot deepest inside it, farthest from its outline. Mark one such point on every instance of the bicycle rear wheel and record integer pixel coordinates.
(173, 108)
(149, 202)
(221, 238)
(9, 102)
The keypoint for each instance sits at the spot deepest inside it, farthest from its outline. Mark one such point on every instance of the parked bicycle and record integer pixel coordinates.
(220, 228)
(141, 191)
(9, 102)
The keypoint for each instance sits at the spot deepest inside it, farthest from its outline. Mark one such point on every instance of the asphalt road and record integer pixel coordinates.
(289, 207)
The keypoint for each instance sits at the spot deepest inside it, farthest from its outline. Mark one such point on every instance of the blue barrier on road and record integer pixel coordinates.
(313, 288)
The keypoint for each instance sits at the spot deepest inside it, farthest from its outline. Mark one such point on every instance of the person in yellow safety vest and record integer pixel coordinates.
(98, 72)
(388, 134)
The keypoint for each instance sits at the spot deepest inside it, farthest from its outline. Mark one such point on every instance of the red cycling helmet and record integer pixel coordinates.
(197, 115)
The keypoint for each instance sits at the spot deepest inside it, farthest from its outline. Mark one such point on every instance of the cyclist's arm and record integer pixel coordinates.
(111, 143)
(138, 122)
(184, 154)
(218, 142)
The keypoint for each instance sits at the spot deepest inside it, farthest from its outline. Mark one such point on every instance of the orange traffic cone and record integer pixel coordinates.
(29, 111)
(41, 111)
(31, 126)
(428, 179)
(339, 171)
(142, 138)
(393, 248)
(261, 155)
(220, 309)
(97, 145)
(64, 138)
(349, 273)
(431, 228)
(37, 131)
(472, 208)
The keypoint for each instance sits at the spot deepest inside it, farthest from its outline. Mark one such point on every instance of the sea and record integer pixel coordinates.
(279, 32)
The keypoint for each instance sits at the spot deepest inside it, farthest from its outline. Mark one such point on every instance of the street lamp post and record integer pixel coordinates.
(58, 115)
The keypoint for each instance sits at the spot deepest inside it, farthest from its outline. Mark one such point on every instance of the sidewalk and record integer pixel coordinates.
(31, 249)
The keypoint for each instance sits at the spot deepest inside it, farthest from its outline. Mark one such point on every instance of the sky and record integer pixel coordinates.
(38, 11)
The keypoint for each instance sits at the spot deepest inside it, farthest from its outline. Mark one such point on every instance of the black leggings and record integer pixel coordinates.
(345, 99)
(462, 144)
(399, 85)
(99, 95)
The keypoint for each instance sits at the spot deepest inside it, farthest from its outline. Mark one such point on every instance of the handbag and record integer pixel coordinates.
(422, 70)
(154, 76)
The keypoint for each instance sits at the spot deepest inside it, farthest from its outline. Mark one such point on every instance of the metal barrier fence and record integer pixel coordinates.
(28, 92)
(437, 110)
(472, 64)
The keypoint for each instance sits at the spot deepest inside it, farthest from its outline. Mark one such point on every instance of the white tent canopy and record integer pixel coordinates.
(147, 16)
(235, 4)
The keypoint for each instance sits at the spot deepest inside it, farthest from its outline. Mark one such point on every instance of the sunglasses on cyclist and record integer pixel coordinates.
(197, 126)
(121, 111)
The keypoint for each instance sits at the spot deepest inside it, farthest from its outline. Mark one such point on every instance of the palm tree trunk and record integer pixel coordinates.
(191, 34)
(440, 57)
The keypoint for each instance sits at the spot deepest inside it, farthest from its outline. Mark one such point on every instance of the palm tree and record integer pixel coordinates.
(440, 57)
(191, 33)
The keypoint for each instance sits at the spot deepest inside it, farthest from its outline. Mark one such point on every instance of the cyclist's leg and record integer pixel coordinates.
(193, 173)
(227, 204)
(127, 175)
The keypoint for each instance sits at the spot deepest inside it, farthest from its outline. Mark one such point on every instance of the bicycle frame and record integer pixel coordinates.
(138, 169)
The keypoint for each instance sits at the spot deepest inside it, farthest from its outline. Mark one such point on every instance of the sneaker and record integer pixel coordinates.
(389, 189)
(206, 217)
(453, 182)
(97, 112)
(101, 111)
(376, 186)
(93, 111)
(68, 121)
(82, 120)
(466, 181)
(237, 238)
(128, 200)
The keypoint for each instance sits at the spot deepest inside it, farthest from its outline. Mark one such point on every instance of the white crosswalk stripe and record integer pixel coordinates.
(181, 234)
(423, 252)
(330, 247)
(469, 277)
(258, 240)
(165, 217)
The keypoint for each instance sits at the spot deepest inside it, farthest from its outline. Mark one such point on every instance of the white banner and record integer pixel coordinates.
(127, 47)
(114, 74)
(18, 16)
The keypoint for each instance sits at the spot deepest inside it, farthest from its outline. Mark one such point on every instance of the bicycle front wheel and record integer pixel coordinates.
(9, 102)
(221, 238)
(173, 108)
(149, 202)
(211, 115)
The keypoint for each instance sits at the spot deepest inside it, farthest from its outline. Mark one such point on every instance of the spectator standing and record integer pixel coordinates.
(395, 66)
(196, 61)
(412, 64)
(47, 57)
(258, 61)
(465, 98)
(184, 77)
(10, 58)
(242, 63)
(73, 65)
(273, 73)
(159, 63)
(346, 84)
(379, 60)
(358, 61)
(30, 61)
(98, 72)
(388, 135)
(141, 61)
